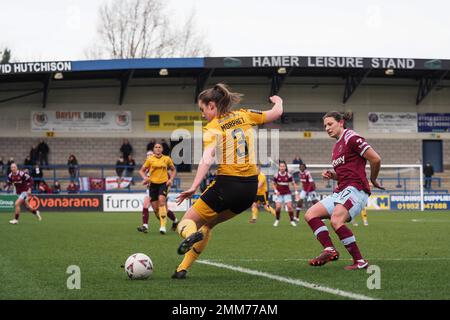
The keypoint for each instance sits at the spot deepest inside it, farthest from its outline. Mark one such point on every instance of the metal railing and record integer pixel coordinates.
(65, 173)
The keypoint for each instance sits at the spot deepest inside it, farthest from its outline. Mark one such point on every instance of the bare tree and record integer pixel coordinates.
(141, 29)
(5, 56)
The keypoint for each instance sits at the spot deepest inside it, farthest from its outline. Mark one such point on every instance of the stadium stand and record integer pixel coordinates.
(309, 87)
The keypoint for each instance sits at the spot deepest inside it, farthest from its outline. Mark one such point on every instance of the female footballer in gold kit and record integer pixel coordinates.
(228, 138)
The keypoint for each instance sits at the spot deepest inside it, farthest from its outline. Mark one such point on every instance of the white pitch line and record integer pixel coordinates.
(296, 282)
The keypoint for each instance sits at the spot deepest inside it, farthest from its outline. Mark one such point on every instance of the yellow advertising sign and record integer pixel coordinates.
(378, 202)
(172, 120)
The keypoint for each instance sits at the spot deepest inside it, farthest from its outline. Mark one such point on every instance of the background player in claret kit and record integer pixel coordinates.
(146, 206)
(281, 182)
(23, 183)
(349, 157)
(228, 136)
(308, 193)
(159, 180)
(261, 197)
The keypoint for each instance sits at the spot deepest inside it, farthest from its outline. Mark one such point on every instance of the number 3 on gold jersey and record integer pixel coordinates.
(238, 134)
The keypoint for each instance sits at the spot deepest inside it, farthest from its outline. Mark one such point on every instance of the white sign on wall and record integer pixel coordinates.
(391, 122)
(133, 202)
(85, 121)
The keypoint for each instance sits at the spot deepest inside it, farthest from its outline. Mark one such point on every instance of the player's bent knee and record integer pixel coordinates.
(309, 215)
(337, 222)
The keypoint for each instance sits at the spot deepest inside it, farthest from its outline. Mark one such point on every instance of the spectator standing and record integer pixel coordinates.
(428, 172)
(126, 148)
(297, 160)
(166, 147)
(120, 167)
(72, 164)
(130, 167)
(27, 162)
(296, 174)
(34, 155)
(151, 144)
(37, 174)
(43, 150)
(8, 165)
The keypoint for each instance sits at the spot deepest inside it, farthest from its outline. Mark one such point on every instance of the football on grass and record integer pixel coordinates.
(139, 266)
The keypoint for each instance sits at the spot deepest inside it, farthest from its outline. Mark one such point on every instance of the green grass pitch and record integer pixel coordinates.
(411, 249)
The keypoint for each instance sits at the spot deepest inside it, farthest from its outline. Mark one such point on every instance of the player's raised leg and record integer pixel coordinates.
(189, 226)
(197, 248)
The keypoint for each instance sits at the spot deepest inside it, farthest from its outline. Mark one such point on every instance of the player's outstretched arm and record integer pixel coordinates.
(274, 187)
(8, 185)
(172, 175)
(260, 184)
(276, 111)
(375, 164)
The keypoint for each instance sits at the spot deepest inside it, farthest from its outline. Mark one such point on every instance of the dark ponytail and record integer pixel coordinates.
(221, 95)
(336, 115)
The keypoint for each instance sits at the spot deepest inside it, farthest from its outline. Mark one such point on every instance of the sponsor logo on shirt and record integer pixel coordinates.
(338, 161)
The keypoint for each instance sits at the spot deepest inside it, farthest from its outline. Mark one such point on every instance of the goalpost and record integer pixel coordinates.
(401, 180)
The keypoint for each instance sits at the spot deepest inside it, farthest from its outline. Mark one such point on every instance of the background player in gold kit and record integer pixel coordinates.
(161, 172)
(363, 218)
(147, 204)
(228, 137)
(261, 197)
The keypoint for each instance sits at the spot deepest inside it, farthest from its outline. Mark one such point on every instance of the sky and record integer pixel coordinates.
(63, 30)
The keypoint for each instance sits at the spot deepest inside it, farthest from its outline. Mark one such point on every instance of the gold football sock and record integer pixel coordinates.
(163, 216)
(254, 213)
(186, 227)
(364, 215)
(197, 249)
(270, 209)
